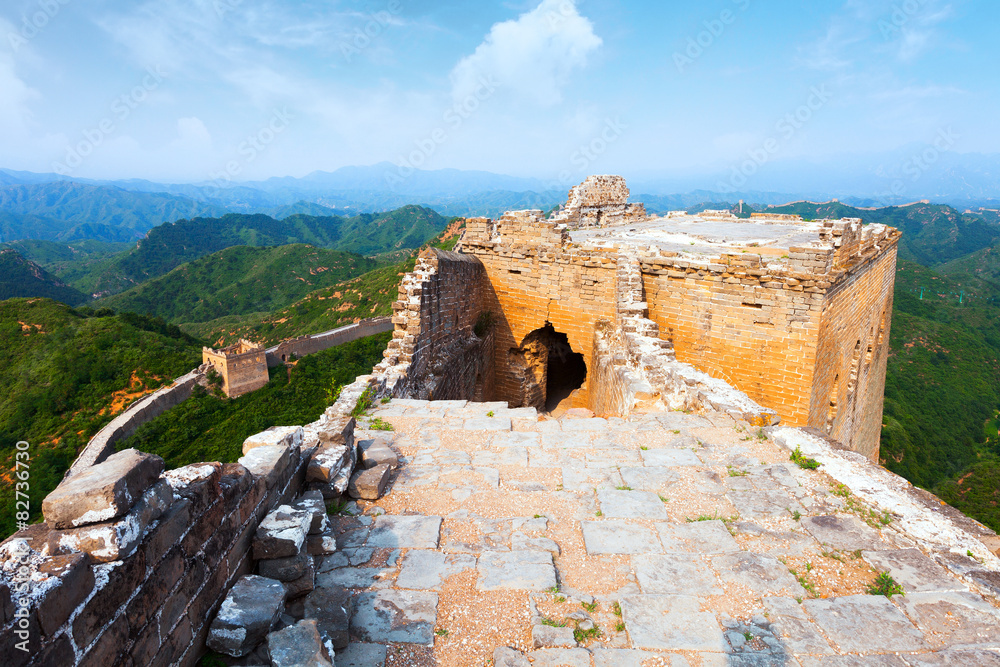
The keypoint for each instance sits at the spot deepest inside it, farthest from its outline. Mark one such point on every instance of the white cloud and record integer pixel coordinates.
(14, 100)
(533, 55)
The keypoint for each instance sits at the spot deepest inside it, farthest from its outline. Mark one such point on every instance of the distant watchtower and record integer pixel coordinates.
(242, 365)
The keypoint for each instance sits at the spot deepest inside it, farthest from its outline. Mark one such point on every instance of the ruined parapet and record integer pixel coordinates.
(242, 365)
(440, 345)
(600, 201)
(132, 562)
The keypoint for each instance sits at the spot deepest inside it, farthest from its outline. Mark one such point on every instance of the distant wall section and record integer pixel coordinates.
(305, 345)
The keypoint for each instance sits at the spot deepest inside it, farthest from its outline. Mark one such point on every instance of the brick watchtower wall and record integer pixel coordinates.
(243, 367)
(809, 340)
(536, 280)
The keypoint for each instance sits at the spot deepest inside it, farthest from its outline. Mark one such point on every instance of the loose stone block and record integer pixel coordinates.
(297, 645)
(865, 624)
(321, 545)
(405, 532)
(525, 570)
(332, 609)
(425, 569)
(305, 583)
(115, 540)
(285, 569)
(313, 503)
(507, 657)
(280, 436)
(547, 636)
(102, 492)
(618, 537)
(369, 484)
(328, 461)
(395, 616)
(375, 454)
(281, 533)
(273, 463)
(247, 615)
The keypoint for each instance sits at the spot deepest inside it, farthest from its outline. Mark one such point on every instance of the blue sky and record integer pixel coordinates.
(190, 90)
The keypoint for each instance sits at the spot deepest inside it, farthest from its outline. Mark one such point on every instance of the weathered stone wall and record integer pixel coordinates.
(142, 588)
(305, 345)
(435, 345)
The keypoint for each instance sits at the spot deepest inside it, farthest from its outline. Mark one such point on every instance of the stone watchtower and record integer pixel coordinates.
(242, 365)
(793, 313)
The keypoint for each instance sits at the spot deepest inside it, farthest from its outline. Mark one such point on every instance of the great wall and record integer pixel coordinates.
(595, 422)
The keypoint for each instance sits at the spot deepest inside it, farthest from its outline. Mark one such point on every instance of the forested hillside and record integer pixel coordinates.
(20, 277)
(65, 373)
(239, 281)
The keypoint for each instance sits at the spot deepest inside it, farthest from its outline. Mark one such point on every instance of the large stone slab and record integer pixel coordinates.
(281, 533)
(281, 436)
(298, 645)
(953, 618)
(950, 657)
(118, 539)
(561, 657)
(352, 577)
(676, 421)
(618, 504)
(362, 655)
(619, 537)
(882, 660)
(405, 532)
(673, 622)
(425, 569)
(756, 504)
(395, 616)
(649, 478)
(670, 457)
(865, 624)
(698, 537)
(763, 575)
(332, 609)
(623, 657)
(847, 533)
(102, 492)
(523, 570)
(914, 571)
(675, 574)
(794, 628)
(247, 615)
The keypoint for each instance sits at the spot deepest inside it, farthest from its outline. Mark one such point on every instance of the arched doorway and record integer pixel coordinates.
(548, 369)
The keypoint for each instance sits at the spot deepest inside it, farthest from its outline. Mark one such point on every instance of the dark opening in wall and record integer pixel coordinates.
(549, 369)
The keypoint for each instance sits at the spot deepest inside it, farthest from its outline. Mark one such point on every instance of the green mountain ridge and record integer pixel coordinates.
(238, 281)
(20, 277)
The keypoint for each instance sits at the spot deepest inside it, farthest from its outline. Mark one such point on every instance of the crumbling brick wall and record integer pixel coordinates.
(443, 340)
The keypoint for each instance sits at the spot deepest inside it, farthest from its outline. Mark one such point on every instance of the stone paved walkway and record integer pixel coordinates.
(667, 539)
